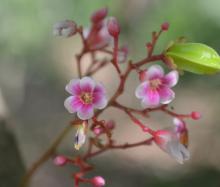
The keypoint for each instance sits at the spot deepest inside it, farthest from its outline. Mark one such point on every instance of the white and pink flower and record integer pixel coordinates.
(156, 87)
(169, 142)
(87, 95)
(174, 141)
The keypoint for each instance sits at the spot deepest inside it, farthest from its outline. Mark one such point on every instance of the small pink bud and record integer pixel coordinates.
(149, 46)
(113, 27)
(97, 130)
(142, 75)
(110, 124)
(98, 181)
(99, 15)
(165, 26)
(122, 54)
(196, 115)
(60, 160)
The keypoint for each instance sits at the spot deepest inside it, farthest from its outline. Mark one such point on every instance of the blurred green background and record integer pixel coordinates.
(35, 66)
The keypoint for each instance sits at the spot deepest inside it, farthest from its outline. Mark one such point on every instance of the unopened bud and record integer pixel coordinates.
(165, 26)
(97, 130)
(113, 27)
(99, 15)
(65, 28)
(196, 115)
(98, 181)
(143, 75)
(110, 124)
(122, 54)
(60, 160)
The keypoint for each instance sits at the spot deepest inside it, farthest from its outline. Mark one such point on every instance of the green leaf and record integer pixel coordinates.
(194, 57)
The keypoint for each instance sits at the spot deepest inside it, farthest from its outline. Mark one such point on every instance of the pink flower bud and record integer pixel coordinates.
(113, 27)
(60, 160)
(99, 15)
(97, 130)
(165, 26)
(65, 28)
(142, 75)
(122, 54)
(149, 46)
(110, 124)
(98, 181)
(196, 115)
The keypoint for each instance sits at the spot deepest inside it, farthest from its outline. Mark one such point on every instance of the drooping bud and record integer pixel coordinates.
(60, 160)
(65, 28)
(171, 144)
(80, 136)
(165, 26)
(113, 27)
(98, 181)
(99, 15)
(196, 115)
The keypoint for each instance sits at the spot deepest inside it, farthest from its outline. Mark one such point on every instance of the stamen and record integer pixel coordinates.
(86, 98)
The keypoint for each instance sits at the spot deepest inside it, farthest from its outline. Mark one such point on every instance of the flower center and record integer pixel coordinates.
(86, 98)
(155, 83)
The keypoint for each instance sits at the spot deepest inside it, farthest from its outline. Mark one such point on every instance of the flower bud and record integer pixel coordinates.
(65, 28)
(122, 54)
(110, 124)
(60, 160)
(165, 26)
(97, 130)
(143, 75)
(98, 181)
(99, 15)
(80, 136)
(196, 115)
(113, 27)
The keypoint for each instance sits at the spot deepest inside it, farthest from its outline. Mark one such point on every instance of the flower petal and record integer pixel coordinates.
(141, 90)
(151, 99)
(99, 101)
(72, 104)
(166, 95)
(155, 71)
(73, 87)
(171, 78)
(87, 84)
(178, 152)
(85, 112)
(99, 89)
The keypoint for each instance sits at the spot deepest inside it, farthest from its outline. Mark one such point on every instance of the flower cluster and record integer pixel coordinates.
(89, 97)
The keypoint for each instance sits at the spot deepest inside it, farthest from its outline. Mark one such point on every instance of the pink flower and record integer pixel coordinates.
(87, 95)
(169, 142)
(181, 131)
(174, 141)
(156, 87)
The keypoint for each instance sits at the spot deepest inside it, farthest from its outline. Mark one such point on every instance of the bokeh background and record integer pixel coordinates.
(35, 67)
